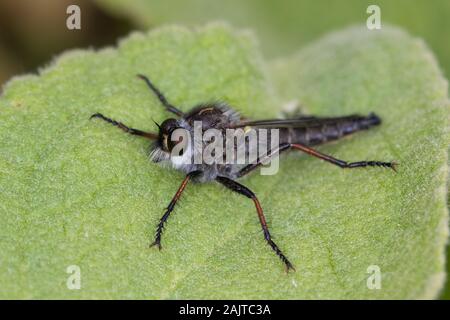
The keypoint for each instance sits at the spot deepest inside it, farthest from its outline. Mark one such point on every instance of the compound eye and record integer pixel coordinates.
(168, 126)
(165, 131)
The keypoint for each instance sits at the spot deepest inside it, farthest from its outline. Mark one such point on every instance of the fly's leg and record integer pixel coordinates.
(161, 97)
(169, 209)
(340, 163)
(250, 167)
(239, 188)
(148, 135)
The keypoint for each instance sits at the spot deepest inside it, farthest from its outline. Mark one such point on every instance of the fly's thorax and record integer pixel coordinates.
(212, 115)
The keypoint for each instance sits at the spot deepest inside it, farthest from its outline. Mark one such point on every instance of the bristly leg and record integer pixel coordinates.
(340, 163)
(170, 207)
(161, 97)
(252, 166)
(241, 189)
(137, 132)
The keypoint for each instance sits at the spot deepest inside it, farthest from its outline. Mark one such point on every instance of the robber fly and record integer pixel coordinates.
(299, 133)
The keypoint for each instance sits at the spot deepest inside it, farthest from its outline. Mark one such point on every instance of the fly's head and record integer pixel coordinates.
(172, 140)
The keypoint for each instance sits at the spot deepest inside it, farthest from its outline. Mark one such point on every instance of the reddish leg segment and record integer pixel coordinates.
(169, 209)
(340, 163)
(241, 189)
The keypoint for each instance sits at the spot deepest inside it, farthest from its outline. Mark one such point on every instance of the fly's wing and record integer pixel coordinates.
(301, 122)
(310, 130)
(305, 130)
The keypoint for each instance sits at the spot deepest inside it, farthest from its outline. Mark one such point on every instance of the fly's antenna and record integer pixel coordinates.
(157, 124)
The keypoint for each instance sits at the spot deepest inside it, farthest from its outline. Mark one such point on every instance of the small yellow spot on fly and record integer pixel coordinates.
(205, 110)
(165, 145)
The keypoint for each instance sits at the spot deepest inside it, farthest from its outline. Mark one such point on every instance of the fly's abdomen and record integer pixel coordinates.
(322, 130)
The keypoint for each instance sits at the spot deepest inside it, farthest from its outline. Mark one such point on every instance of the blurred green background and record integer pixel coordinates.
(32, 32)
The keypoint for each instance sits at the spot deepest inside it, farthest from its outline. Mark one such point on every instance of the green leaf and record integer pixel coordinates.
(79, 192)
(399, 220)
(284, 25)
